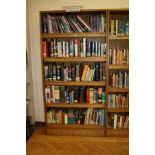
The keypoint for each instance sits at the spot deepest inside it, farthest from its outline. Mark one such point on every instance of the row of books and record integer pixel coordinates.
(85, 116)
(73, 48)
(118, 121)
(73, 23)
(118, 56)
(119, 79)
(61, 94)
(118, 100)
(74, 72)
(119, 27)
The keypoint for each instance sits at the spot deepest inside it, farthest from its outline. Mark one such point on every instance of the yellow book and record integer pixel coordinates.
(48, 117)
(112, 27)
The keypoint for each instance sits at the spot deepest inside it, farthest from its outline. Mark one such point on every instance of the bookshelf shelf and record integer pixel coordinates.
(118, 37)
(73, 35)
(75, 83)
(75, 59)
(74, 105)
(118, 67)
(112, 90)
(120, 110)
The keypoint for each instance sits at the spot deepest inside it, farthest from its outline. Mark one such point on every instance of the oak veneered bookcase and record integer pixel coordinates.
(112, 41)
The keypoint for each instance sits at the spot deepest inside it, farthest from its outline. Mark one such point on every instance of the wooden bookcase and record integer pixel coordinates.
(111, 41)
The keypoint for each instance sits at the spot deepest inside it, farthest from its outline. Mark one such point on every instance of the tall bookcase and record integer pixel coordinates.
(118, 41)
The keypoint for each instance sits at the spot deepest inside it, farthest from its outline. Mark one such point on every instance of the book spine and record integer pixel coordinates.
(54, 72)
(67, 49)
(103, 97)
(84, 73)
(71, 48)
(59, 48)
(73, 72)
(115, 121)
(53, 94)
(57, 94)
(76, 47)
(77, 72)
(84, 47)
(58, 72)
(110, 56)
(88, 53)
(86, 24)
(46, 72)
(44, 49)
(100, 71)
(69, 74)
(52, 51)
(114, 57)
(47, 94)
(120, 80)
(99, 95)
(45, 26)
(99, 49)
(50, 70)
(55, 48)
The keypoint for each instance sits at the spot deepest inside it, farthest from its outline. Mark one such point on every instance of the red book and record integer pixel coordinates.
(95, 23)
(87, 97)
(44, 49)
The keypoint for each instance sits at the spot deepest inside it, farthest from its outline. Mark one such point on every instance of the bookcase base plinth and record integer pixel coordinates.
(75, 130)
(118, 133)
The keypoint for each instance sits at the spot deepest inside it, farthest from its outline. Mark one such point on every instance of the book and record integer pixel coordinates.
(50, 71)
(86, 24)
(44, 49)
(77, 78)
(57, 94)
(44, 24)
(76, 47)
(47, 94)
(54, 75)
(46, 76)
(84, 72)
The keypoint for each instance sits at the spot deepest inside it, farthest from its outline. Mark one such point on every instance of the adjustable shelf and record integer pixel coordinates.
(75, 83)
(75, 105)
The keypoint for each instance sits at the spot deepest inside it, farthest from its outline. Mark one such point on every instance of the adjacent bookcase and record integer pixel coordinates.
(95, 39)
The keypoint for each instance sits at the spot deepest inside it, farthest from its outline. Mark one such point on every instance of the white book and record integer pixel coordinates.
(76, 47)
(63, 48)
(59, 46)
(84, 47)
(48, 94)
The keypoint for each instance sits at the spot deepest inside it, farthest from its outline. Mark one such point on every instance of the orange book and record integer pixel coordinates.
(84, 72)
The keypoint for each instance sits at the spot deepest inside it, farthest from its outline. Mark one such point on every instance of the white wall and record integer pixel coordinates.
(41, 5)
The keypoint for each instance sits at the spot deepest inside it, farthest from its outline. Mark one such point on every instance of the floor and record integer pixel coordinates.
(41, 144)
